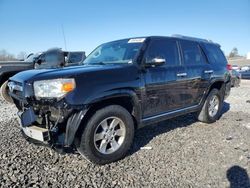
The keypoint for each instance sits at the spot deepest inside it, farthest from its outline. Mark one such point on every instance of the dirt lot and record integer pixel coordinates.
(185, 153)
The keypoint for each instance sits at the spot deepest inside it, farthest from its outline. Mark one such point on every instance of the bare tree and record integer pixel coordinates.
(22, 55)
(5, 56)
(234, 53)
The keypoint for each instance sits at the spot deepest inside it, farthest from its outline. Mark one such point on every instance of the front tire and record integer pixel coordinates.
(212, 107)
(107, 136)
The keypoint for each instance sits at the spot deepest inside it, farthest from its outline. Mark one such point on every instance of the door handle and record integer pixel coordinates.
(208, 71)
(181, 74)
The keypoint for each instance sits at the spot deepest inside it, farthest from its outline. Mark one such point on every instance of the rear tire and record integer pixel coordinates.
(4, 92)
(107, 136)
(212, 107)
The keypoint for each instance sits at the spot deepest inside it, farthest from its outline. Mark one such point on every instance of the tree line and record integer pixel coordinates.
(6, 56)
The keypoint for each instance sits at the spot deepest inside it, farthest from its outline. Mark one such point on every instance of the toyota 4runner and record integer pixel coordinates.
(122, 86)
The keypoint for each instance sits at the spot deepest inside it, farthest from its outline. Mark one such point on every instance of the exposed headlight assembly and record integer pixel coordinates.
(56, 88)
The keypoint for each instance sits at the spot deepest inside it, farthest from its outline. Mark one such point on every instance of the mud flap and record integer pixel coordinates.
(72, 126)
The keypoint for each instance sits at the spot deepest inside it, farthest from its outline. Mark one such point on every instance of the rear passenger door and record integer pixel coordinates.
(162, 88)
(198, 71)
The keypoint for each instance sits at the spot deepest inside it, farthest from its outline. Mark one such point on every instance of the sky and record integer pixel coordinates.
(34, 26)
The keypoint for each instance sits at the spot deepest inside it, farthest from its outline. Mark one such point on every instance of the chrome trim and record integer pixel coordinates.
(208, 71)
(181, 74)
(170, 113)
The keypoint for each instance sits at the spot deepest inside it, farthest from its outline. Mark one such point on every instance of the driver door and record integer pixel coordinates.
(163, 87)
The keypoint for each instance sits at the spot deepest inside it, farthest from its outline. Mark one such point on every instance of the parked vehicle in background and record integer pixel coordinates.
(74, 58)
(235, 78)
(245, 75)
(245, 69)
(122, 86)
(53, 58)
(56, 58)
(10, 68)
(236, 67)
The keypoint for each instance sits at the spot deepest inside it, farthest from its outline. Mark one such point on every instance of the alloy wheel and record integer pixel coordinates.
(109, 135)
(213, 106)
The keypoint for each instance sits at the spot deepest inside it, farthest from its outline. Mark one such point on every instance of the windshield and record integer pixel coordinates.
(31, 57)
(122, 51)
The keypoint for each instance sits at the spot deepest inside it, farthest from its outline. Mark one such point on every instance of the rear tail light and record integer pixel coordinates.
(229, 67)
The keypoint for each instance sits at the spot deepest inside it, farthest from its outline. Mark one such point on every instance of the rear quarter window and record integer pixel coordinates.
(214, 54)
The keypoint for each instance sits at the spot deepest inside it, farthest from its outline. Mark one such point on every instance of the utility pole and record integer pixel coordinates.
(65, 46)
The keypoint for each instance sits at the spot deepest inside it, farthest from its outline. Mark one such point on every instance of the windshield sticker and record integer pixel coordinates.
(136, 40)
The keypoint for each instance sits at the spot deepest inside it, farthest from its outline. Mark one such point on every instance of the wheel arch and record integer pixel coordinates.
(126, 98)
(217, 84)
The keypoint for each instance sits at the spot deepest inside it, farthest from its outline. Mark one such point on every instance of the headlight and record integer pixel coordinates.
(56, 88)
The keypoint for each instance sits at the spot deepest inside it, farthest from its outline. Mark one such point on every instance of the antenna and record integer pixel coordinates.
(65, 46)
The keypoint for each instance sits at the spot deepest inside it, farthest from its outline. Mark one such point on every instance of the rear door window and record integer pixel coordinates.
(214, 54)
(191, 53)
(163, 48)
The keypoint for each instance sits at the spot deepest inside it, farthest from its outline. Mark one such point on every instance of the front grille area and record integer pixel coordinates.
(16, 90)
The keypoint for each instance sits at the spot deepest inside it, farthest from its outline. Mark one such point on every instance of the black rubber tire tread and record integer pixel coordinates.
(86, 145)
(203, 115)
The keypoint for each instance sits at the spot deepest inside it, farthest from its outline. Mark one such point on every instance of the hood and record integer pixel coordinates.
(66, 72)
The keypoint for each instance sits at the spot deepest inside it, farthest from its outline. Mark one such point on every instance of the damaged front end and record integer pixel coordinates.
(46, 121)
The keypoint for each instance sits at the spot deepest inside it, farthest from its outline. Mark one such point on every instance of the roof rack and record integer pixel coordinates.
(191, 38)
(54, 49)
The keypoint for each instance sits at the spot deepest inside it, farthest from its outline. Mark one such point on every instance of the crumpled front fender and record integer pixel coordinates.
(72, 126)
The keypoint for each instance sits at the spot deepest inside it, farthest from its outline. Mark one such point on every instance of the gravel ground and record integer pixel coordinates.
(179, 153)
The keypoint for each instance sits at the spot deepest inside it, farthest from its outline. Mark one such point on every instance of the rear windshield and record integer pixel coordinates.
(214, 54)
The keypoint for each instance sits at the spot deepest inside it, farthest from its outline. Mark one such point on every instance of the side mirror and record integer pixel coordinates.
(155, 62)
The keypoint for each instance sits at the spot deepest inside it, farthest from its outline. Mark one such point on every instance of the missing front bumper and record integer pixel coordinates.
(36, 133)
(38, 126)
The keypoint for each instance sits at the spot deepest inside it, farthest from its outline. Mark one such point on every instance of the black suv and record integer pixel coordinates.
(122, 86)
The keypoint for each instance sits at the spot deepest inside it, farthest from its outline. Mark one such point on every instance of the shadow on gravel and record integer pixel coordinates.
(225, 108)
(238, 177)
(145, 135)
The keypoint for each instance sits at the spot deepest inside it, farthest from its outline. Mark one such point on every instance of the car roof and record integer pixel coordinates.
(182, 37)
(179, 37)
